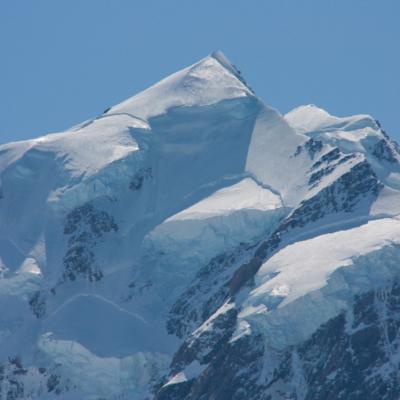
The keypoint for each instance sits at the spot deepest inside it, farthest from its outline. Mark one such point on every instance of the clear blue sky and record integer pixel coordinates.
(64, 61)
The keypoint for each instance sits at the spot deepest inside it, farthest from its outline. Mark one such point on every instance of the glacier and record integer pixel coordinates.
(192, 242)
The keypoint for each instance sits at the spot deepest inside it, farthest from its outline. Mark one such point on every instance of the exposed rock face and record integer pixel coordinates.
(206, 294)
(359, 183)
(353, 356)
(84, 226)
(14, 381)
(312, 147)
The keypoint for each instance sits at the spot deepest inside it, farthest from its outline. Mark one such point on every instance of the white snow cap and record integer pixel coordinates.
(209, 81)
(309, 118)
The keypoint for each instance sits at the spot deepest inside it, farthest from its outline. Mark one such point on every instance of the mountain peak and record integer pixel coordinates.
(308, 117)
(209, 81)
(196, 243)
(224, 61)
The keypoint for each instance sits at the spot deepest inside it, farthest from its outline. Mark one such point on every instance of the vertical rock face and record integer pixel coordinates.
(359, 359)
(192, 243)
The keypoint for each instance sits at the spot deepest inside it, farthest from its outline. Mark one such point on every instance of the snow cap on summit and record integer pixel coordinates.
(209, 81)
(309, 118)
(223, 60)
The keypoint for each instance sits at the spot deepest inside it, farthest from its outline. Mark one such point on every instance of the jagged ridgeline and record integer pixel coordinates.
(191, 243)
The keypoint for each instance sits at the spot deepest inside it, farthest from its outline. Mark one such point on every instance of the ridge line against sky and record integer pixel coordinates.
(64, 62)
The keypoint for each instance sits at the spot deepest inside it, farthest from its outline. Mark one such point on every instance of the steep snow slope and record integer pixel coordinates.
(242, 212)
(191, 243)
(340, 264)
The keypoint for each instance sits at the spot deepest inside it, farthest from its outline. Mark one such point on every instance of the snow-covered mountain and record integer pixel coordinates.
(194, 243)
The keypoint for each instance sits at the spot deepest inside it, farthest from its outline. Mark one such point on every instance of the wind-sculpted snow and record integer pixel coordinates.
(191, 243)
